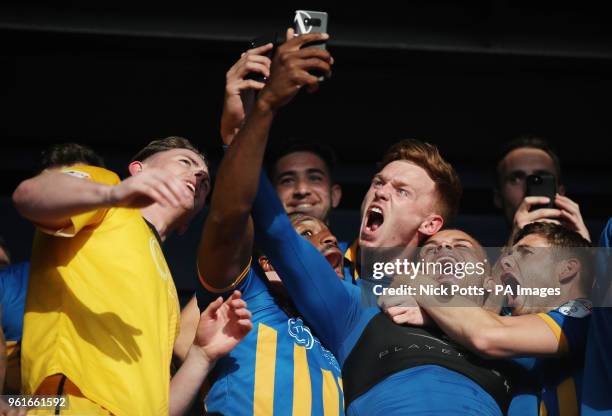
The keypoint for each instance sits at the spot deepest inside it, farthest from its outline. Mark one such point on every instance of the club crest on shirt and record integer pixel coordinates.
(577, 308)
(300, 333)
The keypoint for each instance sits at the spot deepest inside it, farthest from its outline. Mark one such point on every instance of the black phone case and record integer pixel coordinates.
(541, 185)
(256, 43)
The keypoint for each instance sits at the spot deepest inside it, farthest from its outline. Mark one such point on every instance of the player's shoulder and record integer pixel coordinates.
(576, 308)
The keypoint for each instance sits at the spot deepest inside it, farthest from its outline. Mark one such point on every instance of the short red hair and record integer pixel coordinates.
(427, 156)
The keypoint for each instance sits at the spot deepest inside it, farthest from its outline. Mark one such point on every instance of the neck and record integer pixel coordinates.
(388, 254)
(160, 220)
(572, 292)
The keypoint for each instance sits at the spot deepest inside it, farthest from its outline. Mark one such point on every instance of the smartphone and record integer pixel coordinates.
(306, 21)
(256, 43)
(544, 184)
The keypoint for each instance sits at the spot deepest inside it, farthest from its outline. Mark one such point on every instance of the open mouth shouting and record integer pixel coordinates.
(447, 266)
(335, 258)
(509, 281)
(374, 219)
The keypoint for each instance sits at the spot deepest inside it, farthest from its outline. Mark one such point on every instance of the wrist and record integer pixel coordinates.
(105, 195)
(198, 356)
(263, 105)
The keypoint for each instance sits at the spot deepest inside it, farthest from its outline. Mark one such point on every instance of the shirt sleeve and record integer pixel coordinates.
(89, 218)
(206, 294)
(570, 324)
(605, 240)
(315, 289)
(13, 288)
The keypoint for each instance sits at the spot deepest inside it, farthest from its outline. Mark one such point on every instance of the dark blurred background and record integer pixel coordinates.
(467, 77)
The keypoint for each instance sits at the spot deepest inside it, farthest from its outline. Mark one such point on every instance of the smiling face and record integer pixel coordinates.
(189, 167)
(303, 184)
(400, 200)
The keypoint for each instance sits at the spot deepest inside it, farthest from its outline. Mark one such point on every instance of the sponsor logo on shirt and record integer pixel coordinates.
(577, 308)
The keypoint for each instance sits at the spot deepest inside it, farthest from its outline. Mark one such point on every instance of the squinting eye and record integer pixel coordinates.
(306, 233)
(185, 162)
(403, 192)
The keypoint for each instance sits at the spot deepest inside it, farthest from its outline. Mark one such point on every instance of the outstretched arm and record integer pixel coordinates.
(226, 244)
(240, 92)
(484, 332)
(53, 197)
(318, 293)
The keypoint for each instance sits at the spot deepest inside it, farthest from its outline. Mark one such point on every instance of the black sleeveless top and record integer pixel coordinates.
(385, 348)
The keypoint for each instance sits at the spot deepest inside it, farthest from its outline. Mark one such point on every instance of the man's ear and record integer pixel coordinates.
(135, 167)
(336, 195)
(568, 269)
(265, 264)
(488, 282)
(497, 198)
(432, 224)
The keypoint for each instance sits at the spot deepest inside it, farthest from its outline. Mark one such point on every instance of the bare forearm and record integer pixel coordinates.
(227, 235)
(488, 334)
(238, 174)
(51, 198)
(186, 384)
(190, 316)
(464, 324)
(459, 317)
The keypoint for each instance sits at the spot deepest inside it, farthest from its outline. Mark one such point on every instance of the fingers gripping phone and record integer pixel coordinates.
(306, 21)
(544, 184)
(256, 43)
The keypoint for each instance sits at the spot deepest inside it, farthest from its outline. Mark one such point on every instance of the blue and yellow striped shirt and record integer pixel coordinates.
(559, 379)
(280, 368)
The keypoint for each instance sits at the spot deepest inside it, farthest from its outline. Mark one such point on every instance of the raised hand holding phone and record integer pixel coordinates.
(243, 80)
(290, 69)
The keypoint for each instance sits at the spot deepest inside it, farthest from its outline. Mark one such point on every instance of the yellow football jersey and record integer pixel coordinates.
(102, 309)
